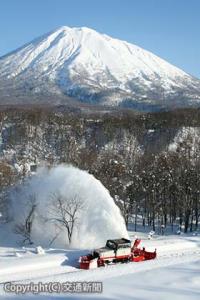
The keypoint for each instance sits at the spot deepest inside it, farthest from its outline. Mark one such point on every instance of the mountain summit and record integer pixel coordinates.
(93, 68)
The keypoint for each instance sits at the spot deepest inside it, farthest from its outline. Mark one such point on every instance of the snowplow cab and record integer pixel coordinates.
(118, 244)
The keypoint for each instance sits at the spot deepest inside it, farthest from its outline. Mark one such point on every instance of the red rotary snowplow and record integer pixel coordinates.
(116, 251)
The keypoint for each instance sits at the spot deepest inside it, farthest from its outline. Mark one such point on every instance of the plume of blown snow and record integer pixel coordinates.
(98, 217)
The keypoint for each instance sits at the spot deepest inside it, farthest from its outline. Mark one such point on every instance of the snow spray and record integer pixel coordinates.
(97, 220)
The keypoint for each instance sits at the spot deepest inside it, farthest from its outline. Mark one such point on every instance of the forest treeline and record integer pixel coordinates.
(150, 162)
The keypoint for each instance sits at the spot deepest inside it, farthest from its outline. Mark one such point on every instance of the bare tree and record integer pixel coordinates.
(64, 211)
(25, 228)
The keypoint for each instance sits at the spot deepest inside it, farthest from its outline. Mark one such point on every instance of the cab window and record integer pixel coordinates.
(110, 245)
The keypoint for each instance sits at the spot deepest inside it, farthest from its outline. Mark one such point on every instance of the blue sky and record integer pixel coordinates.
(168, 28)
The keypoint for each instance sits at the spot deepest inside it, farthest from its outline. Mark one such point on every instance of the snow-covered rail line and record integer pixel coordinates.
(53, 267)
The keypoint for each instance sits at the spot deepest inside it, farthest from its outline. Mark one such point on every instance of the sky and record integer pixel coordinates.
(168, 28)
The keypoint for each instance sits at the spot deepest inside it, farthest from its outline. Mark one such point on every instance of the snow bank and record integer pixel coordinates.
(98, 218)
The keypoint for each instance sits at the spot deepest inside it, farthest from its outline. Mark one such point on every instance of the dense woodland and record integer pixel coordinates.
(150, 162)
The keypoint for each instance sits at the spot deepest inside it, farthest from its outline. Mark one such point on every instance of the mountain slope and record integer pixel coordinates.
(94, 68)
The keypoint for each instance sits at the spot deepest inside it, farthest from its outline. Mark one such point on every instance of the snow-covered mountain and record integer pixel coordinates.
(93, 68)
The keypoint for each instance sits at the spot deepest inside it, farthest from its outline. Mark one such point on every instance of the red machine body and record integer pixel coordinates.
(116, 251)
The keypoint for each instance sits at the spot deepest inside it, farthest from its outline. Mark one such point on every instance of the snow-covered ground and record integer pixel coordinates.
(175, 274)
